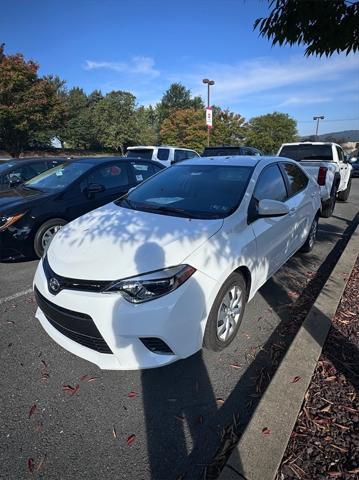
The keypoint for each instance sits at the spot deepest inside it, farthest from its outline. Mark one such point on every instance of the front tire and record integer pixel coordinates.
(344, 195)
(312, 235)
(45, 234)
(226, 313)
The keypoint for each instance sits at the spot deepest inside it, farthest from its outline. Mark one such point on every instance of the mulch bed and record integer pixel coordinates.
(325, 441)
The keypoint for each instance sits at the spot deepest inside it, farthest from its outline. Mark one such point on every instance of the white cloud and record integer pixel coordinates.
(305, 99)
(137, 65)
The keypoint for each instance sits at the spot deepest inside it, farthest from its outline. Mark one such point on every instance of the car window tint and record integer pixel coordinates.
(110, 176)
(163, 154)
(22, 172)
(270, 185)
(39, 167)
(144, 153)
(296, 178)
(180, 155)
(141, 171)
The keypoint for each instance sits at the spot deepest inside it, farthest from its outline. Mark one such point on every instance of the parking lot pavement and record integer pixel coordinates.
(176, 413)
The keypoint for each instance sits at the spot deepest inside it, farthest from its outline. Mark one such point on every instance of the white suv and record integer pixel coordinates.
(163, 153)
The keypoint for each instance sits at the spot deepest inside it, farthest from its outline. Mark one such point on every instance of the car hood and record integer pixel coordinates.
(113, 242)
(16, 199)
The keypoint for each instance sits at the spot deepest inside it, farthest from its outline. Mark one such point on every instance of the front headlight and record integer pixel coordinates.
(152, 285)
(7, 221)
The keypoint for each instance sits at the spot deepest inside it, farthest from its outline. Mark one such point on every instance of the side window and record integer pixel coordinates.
(39, 167)
(296, 178)
(180, 155)
(163, 154)
(340, 154)
(112, 175)
(23, 173)
(141, 171)
(270, 185)
(192, 154)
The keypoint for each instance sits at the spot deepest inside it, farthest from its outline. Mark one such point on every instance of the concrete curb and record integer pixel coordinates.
(257, 456)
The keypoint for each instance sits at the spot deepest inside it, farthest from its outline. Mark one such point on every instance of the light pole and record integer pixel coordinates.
(321, 117)
(209, 83)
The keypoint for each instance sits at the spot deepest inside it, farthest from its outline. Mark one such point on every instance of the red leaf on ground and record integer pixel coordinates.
(71, 390)
(296, 379)
(30, 465)
(87, 378)
(233, 365)
(44, 363)
(132, 394)
(131, 439)
(32, 410)
(266, 431)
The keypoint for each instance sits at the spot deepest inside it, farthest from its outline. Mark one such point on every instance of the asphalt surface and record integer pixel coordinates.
(179, 411)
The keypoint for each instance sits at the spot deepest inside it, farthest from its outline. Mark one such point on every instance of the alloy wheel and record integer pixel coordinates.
(229, 313)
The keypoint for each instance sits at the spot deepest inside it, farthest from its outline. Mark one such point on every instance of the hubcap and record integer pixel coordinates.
(229, 313)
(313, 233)
(49, 235)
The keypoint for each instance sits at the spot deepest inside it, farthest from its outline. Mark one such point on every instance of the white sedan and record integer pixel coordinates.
(169, 267)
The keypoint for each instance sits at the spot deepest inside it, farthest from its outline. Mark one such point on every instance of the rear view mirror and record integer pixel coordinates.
(272, 208)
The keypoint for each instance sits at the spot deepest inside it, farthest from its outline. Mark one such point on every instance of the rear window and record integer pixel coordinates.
(307, 152)
(219, 152)
(144, 153)
(163, 154)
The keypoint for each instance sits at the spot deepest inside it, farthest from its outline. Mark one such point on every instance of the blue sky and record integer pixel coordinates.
(142, 46)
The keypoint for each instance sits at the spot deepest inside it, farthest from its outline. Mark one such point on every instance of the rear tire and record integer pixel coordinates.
(226, 313)
(344, 195)
(45, 234)
(312, 235)
(329, 205)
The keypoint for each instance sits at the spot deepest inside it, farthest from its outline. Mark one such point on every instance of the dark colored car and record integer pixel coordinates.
(15, 172)
(31, 214)
(355, 164)
(228, 150)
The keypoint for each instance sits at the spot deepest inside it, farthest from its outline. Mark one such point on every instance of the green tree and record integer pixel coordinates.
(177, 97)
(30, 106)
(268, 132)
(146, 126)
(185, 128)
(228, 127)
(324, 26)
(115, 120)
(76, 132)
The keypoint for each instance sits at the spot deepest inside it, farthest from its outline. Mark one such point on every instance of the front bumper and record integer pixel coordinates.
(177, 319)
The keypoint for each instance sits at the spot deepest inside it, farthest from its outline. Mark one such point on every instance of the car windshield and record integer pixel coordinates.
(307, 152)
(192, 191)
(144, 153)
(59, 177)
(4, 166)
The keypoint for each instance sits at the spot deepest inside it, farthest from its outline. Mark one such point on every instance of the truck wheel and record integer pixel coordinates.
(45, 234)
(344, 195)
(328, 205)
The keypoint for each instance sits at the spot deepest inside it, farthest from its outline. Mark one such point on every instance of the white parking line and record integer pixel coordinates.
(16, 295)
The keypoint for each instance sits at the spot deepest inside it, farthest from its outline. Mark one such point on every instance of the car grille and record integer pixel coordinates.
(156, 345)
(75, 325)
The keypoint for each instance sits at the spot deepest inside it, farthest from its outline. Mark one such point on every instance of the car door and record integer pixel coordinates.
(114, 180)
(300, 202)
(274, 237)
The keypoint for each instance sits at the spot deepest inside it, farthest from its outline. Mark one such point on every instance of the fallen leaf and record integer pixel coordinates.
(39, 427)
(114, 432)
(326, 409)
(44, 363)
(220, 401)
(330, 379)
(292, 294)
(343, 450)
(132, 394)
(335, 474)
(84, 377)
(32, 410)
(131, 439)
(266, 431)
(30, 465)
(92, 379)
(178, 417)
(233, 365)
(356, 470)
(296, 379)
(42, 461)
(71, 390)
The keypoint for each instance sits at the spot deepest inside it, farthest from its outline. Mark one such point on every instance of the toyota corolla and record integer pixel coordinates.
(168, 268)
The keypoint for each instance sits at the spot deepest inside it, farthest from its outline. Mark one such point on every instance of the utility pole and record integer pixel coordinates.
(208, 110)
(321, 117)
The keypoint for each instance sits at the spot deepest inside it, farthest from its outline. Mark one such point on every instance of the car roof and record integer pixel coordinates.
(99, 160)
(24, 161)
(145, 147)
(233, 160)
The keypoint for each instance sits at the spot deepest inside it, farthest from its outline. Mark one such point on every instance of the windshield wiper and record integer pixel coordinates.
(179, 211)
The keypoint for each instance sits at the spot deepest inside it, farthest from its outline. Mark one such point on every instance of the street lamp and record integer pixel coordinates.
(321, 117)
(209, 83)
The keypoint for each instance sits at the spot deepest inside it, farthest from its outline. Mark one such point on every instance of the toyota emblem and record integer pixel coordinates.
(54, 285)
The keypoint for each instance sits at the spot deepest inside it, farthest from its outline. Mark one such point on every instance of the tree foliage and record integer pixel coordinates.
(228, 127)
(177, 97)
(324, 26)
(30, 106)
(185, 128)
(268, 132)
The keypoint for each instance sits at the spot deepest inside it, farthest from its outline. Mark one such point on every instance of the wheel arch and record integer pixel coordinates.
(244, 270)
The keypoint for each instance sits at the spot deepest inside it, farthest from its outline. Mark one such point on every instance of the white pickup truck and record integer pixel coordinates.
(327, 163)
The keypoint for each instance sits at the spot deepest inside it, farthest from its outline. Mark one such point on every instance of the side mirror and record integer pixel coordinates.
(272, 208)
(94, 188)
